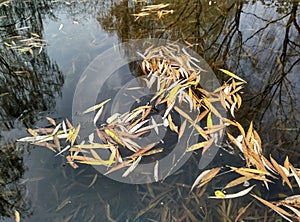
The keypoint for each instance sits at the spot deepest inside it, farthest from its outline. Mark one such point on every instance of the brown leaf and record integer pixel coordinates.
(281, 172)
(32, 132)
(52, 121)
(272, 206)
(70, 161)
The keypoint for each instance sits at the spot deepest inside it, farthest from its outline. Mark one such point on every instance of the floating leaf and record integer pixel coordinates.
(132, 167)
(200, 145)
(17, 216)
(274, 207)
(281, 172)
(63, 150)
(96, 106)
(155, 172)
(234, 195)
(181, 130)
(205, 177)
(115, 137)
(295, 174)
(209, 120)
(97, 116)
(52, 121)
(232, 75)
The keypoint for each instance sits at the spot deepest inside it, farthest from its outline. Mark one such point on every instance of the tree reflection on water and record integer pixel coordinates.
(258, 40)
(29, 84)
(259, 43)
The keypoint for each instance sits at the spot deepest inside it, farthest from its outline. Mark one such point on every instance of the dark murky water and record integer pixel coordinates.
(258, 40)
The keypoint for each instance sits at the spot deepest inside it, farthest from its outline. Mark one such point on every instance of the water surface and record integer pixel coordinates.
(258, 40)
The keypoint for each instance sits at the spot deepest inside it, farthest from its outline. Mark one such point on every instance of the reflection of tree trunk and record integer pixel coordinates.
(280, 79)
(30, 81)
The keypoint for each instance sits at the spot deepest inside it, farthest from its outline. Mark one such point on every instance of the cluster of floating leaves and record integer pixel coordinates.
(175, 76)
(26, 45)
(159, 10)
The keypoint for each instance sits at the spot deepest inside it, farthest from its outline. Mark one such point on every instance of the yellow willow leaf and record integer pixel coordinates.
(292, 200)
(223, 101)
(257, 138)
(233, 195)
(268, 165)
(188, 118)
(141, 108)
(295, 210)
(74, 135)
(249, 132)
(94, 146)
(220, 88)
(286, 163)
(215, 128)
(151, 152)
(236, 182)
(236, 142)
(173, 93)
(181, 130)
(134, 115)
(200, 145)
(273, 207)
(281, 172)
(110, 161)
(239, 100)
(119, 166)
(241, 129)
(250, 170)
(32, 132)
(171, 124)
(115, 137)
(96, 162)
(209, 120)
(52, 121)
(212, 108)
(206, 175)
(202, 115)
(243, 173)
(209, 176)
(243, 179)
(82, 158)
(96, 106)
(160, 92)
(296, 175)
(236, 90)
(232, 75)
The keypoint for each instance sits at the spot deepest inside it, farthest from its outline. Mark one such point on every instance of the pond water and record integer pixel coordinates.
(46, 46)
